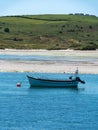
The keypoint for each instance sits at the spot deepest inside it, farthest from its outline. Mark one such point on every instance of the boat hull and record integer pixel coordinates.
(37, 82)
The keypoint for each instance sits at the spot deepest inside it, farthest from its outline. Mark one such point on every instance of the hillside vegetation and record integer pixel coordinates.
(49, 32)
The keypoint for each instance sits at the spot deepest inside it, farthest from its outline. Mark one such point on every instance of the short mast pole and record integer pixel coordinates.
(76, 72)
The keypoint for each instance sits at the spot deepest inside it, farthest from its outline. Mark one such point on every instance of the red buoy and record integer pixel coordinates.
(18, 84)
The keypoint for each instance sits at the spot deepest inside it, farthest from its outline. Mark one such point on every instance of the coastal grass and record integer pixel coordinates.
(49, 32)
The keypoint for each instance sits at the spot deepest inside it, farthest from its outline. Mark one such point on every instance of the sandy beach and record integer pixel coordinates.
(86, 61)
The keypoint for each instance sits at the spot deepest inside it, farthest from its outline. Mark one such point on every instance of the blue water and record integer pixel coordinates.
(47, 109)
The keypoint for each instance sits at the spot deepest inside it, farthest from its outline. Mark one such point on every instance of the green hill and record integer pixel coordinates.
(49, 32)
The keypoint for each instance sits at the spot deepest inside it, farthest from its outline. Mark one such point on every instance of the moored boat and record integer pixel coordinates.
(54, 80)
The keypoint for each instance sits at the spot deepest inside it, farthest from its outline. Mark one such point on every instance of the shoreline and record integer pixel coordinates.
(85, 67)
(68, 52)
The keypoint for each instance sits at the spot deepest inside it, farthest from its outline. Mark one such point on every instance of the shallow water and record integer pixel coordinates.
(47, 109)
(35, 58)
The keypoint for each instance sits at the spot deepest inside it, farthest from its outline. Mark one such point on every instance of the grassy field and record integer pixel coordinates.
(49, 32)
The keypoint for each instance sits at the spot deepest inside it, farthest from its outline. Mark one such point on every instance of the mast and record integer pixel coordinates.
(76, 72)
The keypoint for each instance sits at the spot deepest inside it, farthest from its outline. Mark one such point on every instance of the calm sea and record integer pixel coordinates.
(47, 109)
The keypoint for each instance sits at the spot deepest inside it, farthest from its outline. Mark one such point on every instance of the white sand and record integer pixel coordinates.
(89, 66)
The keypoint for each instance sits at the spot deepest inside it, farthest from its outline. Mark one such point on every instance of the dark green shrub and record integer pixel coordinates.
(6, 30)
(89, 47)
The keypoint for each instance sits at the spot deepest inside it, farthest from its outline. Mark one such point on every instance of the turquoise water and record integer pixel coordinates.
(47, 109)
